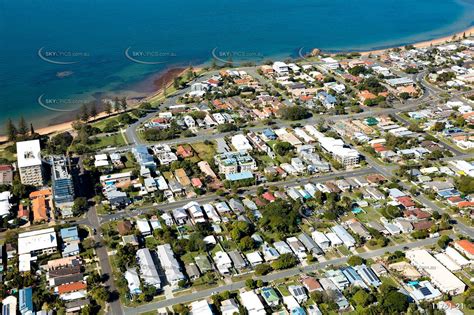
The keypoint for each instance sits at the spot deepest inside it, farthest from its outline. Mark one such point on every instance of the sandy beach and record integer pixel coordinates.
(166, 79)
(437, 41)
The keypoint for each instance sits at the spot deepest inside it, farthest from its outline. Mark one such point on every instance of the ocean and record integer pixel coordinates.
(56, 55)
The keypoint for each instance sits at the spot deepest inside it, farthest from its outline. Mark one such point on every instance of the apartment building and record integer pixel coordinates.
(235, 162)
(29, 161)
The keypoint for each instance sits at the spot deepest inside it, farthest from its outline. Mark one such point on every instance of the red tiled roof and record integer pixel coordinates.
(268, 196)
(422, 225)
(40, 193)
(466, 245)
(465, 204)
(72, 287)
(406, 201)
(311, 284)
(455, 199)
(196, 182)
(420, 214)
(6, 168)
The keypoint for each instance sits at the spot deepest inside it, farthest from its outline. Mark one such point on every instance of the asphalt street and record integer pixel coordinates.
(271, 277)
(430, 93)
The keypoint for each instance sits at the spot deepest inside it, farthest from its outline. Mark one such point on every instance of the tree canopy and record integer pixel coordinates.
(294, 113)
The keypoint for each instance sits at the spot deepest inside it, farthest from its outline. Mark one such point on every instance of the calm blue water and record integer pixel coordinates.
(92, 36)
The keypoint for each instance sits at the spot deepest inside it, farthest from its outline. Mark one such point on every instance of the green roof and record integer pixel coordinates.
(269, 295)
(371, 121)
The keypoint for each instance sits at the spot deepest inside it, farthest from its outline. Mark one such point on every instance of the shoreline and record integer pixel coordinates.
(427, 43)
(168, 75)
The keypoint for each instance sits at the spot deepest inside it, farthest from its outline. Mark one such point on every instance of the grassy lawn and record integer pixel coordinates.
(188, 258)
(463, 277)
(368, 214)
(5, 154)
(160, 97)
(113, 141)
(103, 122)
(361, 250)
(265, 160)
(216, 249)
(283, 290)
(398, 239)
(204, 151)
(374, 247)
(331, 255)
(103, 210)
(242, 277)
(344, 250)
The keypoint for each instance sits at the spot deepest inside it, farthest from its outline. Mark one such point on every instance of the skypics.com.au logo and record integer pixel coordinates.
(148, 57)
(61, 57)
(60, 104)
(236, 57)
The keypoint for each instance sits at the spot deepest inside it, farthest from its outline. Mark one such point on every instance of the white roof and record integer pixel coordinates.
(319, 237)
(447, 262)
(348, 240)
(446, 281)
(5, 205)
(252, 303)
(169, 263)
(222, 258)
(143, 226)
(254, 257)
(28, 153)
(99, 163)
(132, 280)
(290, 302)
(99, 157)
(282, 247)
(335, 240)
(241, 143)
(200, 308)
(24, 263)
(148, 271)
(73, 295)
(36, 241)
(457, 257)
(115, 176)
(10, 301)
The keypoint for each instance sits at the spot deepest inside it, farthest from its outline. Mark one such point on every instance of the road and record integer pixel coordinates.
(421, 198)
(210, 134)
(446, 146)
(250, 190)
(429, 93)
(133, 137)
(106, 269)
(271, 277)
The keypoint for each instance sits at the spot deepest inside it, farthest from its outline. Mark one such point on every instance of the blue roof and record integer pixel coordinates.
(448, 193)
(328, 98)
(239, 176)
(269, 133)
(143, 157)
(70, 233)
(25, 298)
(351, 274)
(70, 249)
